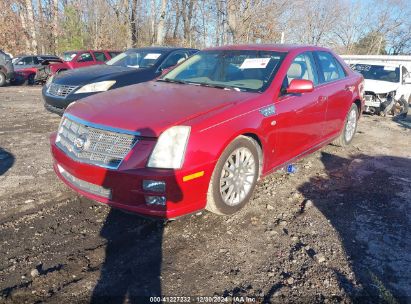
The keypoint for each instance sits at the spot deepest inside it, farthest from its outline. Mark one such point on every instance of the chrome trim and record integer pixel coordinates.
(99, 126)
(84, 185)
(54, 88)
(103, 128)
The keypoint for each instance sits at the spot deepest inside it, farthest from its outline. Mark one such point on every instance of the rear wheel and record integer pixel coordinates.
(350, 127)
(234, 177)
(2, 79)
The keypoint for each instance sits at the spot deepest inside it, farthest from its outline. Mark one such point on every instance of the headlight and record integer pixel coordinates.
(170, 149)
(96, 87)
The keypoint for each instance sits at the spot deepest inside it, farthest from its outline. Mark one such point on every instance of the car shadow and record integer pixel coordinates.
(367, 201)
(131, 271)
(6, 161)
(404, 122)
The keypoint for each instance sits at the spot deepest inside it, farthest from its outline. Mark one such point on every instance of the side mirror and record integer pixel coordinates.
(300, 86)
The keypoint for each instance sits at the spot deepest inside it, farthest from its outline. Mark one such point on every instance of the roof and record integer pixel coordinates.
(161, 48)
(268, 47)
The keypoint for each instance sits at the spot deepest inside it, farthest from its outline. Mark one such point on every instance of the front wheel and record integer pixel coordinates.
(234, 178)
(30, 79)
(350, 127)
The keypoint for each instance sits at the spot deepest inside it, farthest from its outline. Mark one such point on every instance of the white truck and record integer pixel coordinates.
(387, 82)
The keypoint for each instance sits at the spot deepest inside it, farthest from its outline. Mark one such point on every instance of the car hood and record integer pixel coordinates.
(380, 87)
(91, 74)
(152, 107)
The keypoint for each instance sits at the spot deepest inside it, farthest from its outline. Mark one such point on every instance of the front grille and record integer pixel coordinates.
(85, 186)
(92, 145)
(60, 90)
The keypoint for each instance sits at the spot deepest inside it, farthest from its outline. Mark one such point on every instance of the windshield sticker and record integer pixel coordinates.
(389, 68)
(361, 67)
(152, 56)
(255, 63)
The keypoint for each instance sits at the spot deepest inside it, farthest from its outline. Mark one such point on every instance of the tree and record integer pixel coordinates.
(161, 21)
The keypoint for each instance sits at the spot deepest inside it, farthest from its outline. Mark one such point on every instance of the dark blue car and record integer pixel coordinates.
(131, 67)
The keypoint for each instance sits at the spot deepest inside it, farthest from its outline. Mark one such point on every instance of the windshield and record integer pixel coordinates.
(136, 59)
(378, 72)
(240, 70)
(68, 56)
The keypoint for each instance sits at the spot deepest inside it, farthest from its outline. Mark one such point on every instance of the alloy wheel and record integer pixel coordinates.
(351, 125)
(237, 176)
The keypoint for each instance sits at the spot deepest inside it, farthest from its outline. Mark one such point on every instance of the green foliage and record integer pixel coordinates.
(373, 43)
(72, 30)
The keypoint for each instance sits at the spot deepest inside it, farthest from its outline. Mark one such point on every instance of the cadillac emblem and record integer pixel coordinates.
(80, 142)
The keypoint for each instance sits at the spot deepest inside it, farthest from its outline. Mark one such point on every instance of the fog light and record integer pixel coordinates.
(155, 200)
(154, 186)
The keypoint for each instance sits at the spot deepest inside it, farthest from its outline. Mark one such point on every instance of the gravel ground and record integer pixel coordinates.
(336, 231)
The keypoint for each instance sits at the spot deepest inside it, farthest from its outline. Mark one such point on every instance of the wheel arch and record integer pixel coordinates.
(358, 103)
(253, 136)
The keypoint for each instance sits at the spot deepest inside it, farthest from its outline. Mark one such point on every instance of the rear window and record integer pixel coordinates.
(330, 68)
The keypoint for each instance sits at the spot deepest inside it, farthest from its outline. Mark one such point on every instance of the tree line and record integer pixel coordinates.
(350, 27)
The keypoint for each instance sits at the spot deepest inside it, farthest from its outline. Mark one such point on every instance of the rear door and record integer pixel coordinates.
(300, 117)
(334, 84)
(100, 57)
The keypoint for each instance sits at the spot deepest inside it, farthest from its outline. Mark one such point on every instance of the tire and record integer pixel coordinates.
(244, 175)
(2, 79)
(350, 127)
(405, 108)
(30, 80)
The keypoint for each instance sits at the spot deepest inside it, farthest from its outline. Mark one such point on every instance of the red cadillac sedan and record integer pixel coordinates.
(204, 133)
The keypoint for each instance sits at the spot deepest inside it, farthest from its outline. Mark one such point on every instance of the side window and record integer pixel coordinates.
(26, 61)
(330, 68)
(37, 60)
(100, 56)
(302, 67)
(173, 59)
(85, 57)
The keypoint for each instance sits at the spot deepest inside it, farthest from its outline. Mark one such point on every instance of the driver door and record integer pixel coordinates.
(300, 117)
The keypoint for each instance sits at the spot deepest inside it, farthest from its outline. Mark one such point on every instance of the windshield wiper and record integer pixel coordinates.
(173, 80)
(219, 86)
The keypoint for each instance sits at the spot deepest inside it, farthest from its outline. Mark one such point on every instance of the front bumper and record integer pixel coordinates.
(56, 104)
(125, 184)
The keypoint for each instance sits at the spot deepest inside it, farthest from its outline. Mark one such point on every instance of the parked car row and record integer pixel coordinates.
(31, 69)
(131, 67)
(161, 135)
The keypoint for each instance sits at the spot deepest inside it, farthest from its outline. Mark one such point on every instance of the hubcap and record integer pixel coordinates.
(351, 125)
(237, 176)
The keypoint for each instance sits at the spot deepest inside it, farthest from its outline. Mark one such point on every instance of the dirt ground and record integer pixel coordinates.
(336, 231)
